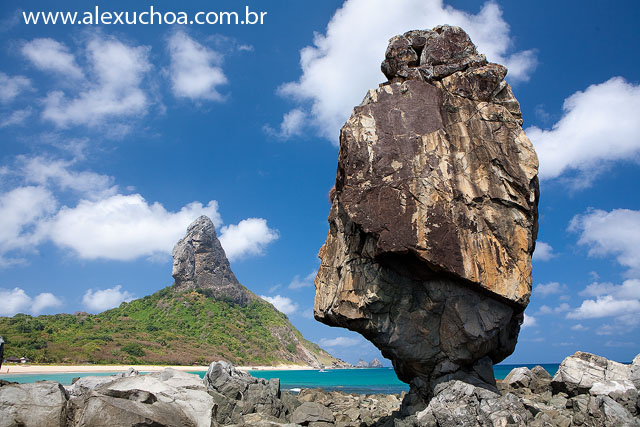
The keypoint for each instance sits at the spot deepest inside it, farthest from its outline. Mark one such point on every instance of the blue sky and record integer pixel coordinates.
(114, 137)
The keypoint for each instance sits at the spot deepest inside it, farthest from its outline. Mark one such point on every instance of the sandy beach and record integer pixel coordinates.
(21, 369)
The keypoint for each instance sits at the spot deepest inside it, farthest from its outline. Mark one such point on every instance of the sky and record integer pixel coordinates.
(113, 138)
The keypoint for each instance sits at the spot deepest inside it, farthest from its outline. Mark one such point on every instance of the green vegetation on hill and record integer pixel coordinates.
(167, 327)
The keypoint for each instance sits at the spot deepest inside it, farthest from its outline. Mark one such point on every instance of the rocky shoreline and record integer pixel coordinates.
(587, 390)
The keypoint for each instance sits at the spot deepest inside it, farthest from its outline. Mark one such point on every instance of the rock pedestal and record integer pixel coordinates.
(434, 214)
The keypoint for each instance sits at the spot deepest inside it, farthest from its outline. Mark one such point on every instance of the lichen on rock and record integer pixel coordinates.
(434, 214)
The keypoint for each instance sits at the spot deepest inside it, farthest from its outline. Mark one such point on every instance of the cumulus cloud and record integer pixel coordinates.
(16, 300)
(344, 61)
(104, 224)
(57, 172)
(248, 237)
(543, 252)
(283, 304)
(529, 322)
(550, 288)
(50, 55)
(123, 227)
(615, 233)
(628, 289)
(340, 342)
(195, 70)
(43, 301)
(545, 309)
(104, 299)
(21, 209)
(12, 86)
(305, 282)
(599, 126)
(605, 306)
(579, 327)
(113, 89)
(292, 125)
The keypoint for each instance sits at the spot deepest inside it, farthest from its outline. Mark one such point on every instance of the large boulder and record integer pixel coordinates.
(237, 393)
(578, 373)
(199, 262)
(434, 214)
(39, 404)
(164, 398)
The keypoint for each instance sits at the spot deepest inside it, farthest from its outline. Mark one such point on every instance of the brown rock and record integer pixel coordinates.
(434, 214)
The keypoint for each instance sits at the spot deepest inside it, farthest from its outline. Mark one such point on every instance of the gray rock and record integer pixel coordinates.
(83, 384)
(168, 397)
(310, 412)
(635, 372)
(199, 262)
(39, 404)
(457, 403)
(579, 372)
(237, 394)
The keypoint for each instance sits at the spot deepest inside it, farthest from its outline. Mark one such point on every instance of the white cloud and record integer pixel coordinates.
(543, 252)
(305, 282)
(605, 306)
(50, 55)
(340, 342)
(13, 301)
(344, 62)
(116, 73)
(103, 224)
(579, 327)
(20, 211)
(284, 304)
(629, 289)
(16, 117)
(104, 299)
(12, 86)
(43, 301)
(17, 301)
(599, 126)
(292, 125)
(529, 322)
(123, 227)
(195, 69)
(562, 308)
(611, 233)
(550, 288)
(42, 171)
(248, 237)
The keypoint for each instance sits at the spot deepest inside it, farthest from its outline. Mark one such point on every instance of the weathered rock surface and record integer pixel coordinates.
(434, 214)
(40, 404)
(230, 397)
(577, 374)
(237, 393)
(200, 262)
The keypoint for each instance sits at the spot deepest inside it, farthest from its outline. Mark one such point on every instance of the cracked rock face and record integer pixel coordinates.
(199, 262)
(434, 213)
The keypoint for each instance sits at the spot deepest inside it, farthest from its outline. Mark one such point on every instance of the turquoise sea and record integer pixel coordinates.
(382, 380)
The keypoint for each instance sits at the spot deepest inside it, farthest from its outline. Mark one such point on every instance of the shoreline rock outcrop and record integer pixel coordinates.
(227, 396)
(434, 215)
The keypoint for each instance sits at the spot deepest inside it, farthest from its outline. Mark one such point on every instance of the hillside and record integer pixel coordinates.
(168, 327)
(206, 315)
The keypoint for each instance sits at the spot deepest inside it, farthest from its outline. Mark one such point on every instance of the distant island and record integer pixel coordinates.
(375, 363)
(206, 315)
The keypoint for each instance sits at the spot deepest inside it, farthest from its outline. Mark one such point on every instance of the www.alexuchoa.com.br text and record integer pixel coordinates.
(145, 17)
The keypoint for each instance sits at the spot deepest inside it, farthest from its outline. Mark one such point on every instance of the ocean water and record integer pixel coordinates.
(380, 380)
